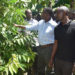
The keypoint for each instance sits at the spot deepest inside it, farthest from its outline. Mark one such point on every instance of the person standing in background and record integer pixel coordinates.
(29, 17)
(31, 21)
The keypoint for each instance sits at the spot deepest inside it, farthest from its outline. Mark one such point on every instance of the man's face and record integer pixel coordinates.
(45, 15)
(28, 14)
(60, 15)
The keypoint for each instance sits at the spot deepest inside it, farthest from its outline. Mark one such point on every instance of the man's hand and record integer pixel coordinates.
(16, 25)
(51, 63)
(20, 26)
(53, 53)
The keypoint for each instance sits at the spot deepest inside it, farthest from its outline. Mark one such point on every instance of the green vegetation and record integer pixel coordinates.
(15, 48)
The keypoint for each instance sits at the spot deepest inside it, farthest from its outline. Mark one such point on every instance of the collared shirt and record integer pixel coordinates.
(33, 22)
(45, 31)
(65, 34)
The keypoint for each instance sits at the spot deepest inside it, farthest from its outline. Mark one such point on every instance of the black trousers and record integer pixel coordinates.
(63, 67)
(44, 55)
(42, 60)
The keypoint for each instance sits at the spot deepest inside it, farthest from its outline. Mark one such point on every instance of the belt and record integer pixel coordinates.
(48, 45)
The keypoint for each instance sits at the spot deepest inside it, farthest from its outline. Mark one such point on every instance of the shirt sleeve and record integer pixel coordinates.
(73, 26)
(32, 27)
(55, 34)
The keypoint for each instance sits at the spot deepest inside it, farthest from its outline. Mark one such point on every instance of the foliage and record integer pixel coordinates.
(63, 2)
(38, 5)
(15, 48)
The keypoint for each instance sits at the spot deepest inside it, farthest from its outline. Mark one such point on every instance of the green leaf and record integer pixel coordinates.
(10, 69)
(2, 68)
(22, 41)
(15, 69)
(24, 58)
(7, 71)
(22, 66)
(18, 41)
(13, 1)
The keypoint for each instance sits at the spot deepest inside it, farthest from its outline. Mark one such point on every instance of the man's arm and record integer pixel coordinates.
(20, 26)
(28, 27)
(53, 53)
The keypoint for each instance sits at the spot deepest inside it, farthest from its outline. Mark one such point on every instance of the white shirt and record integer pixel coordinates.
(33, 22)
(45, 31)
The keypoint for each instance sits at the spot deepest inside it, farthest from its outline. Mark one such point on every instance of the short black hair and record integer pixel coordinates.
(49, 11)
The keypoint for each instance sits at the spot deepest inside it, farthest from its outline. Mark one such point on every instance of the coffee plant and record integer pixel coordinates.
(15, 47)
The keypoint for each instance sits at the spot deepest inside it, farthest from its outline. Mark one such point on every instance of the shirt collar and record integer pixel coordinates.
(50, 21)
(66, 23)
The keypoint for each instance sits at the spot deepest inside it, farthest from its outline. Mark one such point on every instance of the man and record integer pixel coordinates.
(64, 46)
(32, 21)
(29, 18)
(45, 29)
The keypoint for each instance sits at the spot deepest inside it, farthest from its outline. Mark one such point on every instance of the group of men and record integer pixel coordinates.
(56, 38)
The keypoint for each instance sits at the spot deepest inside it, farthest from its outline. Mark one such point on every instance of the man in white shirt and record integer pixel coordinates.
(29, 18)
(45, 29)
(31, 21)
